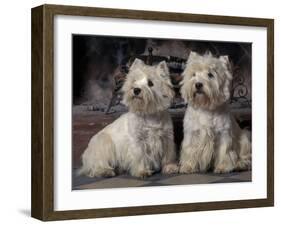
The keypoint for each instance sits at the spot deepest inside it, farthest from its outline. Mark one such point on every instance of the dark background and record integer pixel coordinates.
(96, 59)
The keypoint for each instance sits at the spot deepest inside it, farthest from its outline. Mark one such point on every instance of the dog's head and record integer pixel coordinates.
(147, 89)
(206, 81)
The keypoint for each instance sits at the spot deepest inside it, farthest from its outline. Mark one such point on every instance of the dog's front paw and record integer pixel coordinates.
(187, 168)
(170, 168)
(143, 174)
(243, 165)
(222, 169)
(103, 173)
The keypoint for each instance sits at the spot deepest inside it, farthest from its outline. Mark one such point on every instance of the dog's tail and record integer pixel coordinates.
(84, 169)
(81, 171)
(245, 155)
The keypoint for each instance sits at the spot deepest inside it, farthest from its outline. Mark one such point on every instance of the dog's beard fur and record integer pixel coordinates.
(209, 97)
(199, 98)
(151, 99)
(148, 102)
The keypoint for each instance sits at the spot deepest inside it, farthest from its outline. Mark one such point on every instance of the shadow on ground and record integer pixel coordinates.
(121, 181)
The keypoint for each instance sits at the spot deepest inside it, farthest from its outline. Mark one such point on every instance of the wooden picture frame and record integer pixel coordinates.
(43, 107)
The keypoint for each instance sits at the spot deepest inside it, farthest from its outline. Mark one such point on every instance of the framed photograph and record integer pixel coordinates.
(141, 112)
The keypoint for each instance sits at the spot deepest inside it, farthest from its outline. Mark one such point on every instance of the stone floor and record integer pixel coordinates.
(82, 182)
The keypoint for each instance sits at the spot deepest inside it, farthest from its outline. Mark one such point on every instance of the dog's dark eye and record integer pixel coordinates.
(210, 75)
(193, 75)
(150, 83)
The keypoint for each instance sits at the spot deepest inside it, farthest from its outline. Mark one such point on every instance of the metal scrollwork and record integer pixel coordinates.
(239, 94)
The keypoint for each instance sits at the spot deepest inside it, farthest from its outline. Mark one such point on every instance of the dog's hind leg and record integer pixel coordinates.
(168, 162)
(226, 157)
(245, 156)
(99, 159)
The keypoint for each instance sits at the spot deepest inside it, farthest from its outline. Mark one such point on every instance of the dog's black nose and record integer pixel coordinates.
(137, 91)
(198, 85)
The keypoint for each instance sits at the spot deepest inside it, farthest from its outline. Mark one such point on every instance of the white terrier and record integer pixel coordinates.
(141, 141)
(212, 137)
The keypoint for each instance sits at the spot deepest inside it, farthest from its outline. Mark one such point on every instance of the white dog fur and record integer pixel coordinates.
(212, 137)
(141, 141)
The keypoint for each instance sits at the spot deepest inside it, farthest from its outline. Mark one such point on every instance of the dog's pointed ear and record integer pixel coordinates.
(192, 56)
(163, 69)
(224, 59)
(136, 64)
(208, 53)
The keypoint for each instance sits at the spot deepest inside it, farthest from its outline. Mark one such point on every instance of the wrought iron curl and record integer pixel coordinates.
(240, 88)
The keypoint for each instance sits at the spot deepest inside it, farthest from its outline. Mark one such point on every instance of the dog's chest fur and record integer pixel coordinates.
(216, 121)
(148, 127)
(149, 132)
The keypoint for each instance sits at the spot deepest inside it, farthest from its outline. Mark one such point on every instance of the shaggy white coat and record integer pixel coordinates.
(212, 137)
(141, 141)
